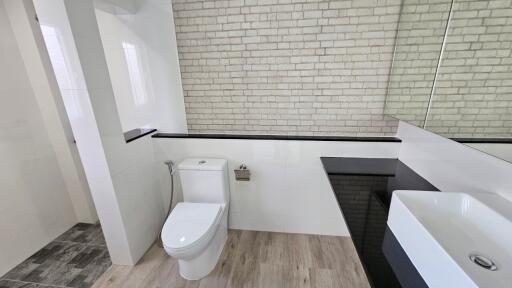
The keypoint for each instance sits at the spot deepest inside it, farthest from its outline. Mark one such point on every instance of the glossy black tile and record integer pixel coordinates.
(363, 188)
(402, 266)
(359, 166)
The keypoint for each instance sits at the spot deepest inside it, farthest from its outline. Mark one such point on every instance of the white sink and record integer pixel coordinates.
(440, 230)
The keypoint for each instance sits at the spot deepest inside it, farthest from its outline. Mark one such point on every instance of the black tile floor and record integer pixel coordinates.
(76, 259)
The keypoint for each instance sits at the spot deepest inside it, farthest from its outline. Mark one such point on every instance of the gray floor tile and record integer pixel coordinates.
(19, 284)
(84, 233)
(75, 259)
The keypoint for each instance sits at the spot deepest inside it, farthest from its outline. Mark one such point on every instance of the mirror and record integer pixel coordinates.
(452, 71)
(419, 39)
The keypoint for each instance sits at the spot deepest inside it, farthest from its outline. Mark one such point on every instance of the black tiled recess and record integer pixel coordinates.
(75, 259)
(359, 166)
(363, 188)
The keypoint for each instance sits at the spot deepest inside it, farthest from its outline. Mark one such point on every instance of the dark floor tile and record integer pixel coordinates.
(21, 270)
(15, 284)
(35, 261)
(84, 233)
(85, 257)
(92, 271)
(79, 281)
(19, 284)
(56, 270)
(76, 259)
(42, 255)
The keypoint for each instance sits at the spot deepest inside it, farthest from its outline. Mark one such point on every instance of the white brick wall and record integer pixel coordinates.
(286, 66)
(473, 95)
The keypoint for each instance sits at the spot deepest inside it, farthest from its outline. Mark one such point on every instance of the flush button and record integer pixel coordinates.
(201, 162)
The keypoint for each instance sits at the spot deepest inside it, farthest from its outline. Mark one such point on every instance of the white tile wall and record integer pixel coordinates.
(151, 68)
(289, 190)
(451, 166)
(35, 206)
(44, 85)
(83, 94)
(121, 176)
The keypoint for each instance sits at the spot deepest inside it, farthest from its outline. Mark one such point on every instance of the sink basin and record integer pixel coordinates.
(455, 239)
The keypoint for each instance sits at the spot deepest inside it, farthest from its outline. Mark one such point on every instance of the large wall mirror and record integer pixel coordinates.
(452, 71)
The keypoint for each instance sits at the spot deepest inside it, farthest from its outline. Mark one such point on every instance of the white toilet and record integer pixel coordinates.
(196, 230)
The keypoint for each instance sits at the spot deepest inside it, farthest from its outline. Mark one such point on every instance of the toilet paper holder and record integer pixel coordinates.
(242, 173)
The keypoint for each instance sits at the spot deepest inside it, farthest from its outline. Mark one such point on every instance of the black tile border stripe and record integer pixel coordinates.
(483, 140)
(134, 134)
(276, 137)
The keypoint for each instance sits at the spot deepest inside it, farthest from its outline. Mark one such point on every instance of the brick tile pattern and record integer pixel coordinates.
(473, 95)
(302, 67)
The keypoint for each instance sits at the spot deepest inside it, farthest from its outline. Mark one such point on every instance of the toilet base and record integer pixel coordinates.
(200, 266)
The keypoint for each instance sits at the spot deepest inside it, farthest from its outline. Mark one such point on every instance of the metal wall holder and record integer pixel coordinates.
(242, 173)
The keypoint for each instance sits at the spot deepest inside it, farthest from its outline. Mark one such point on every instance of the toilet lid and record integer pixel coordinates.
(188, 223)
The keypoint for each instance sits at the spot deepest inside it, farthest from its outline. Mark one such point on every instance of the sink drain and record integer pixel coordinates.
(483, 262)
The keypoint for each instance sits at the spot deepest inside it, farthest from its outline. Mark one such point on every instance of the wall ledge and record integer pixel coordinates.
(137, 133)
(277, 137)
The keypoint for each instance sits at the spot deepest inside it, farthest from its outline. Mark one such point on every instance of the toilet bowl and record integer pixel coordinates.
(196, 231)
(195, 234)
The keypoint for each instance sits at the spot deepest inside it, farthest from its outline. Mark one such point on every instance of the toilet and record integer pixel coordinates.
(196, 229)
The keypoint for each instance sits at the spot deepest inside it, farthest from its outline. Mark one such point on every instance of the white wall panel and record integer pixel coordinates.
(122, 176)
(142, 59)
(44, 86)
(35, 206)
(288, 191)
(451, 166)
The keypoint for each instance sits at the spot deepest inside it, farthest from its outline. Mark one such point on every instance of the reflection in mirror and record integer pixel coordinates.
(418, 45)
(473, 91)
(452, 71)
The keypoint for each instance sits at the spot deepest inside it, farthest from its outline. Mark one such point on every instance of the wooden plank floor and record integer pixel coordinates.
(254, 259)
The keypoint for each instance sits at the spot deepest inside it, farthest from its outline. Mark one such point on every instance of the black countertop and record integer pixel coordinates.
(363, 188)
(359, 166)
(277, 137)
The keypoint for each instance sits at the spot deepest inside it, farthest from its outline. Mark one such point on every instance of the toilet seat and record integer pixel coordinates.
(190, 227)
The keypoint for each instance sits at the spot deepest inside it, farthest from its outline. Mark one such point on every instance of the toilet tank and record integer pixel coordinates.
(204, 180)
